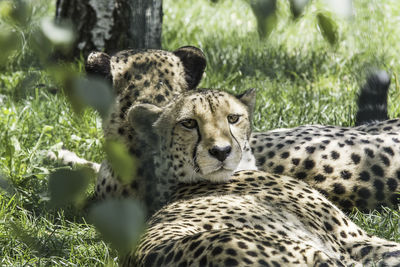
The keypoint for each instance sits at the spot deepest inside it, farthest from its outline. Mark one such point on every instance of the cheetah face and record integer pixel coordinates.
(203, 135)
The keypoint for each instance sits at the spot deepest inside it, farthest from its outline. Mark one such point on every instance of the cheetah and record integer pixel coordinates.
(140, 76)
(221, 211)
(355, 167)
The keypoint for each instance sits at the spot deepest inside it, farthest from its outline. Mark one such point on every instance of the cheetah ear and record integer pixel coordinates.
(194, 63)
(142, 117)
(98, 64)
(249, 99)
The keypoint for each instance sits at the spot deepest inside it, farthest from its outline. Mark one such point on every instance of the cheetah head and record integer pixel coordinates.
(202, 135)
(183, 68)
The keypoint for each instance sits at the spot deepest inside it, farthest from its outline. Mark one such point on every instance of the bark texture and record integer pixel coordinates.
(112, 25)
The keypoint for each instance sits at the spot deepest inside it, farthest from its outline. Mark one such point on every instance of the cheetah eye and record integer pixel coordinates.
(233, 118)
(189, 123)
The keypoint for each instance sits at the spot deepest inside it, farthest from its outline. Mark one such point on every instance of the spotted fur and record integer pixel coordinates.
(141, 76)
(211, 148)
(352, 166)
(245, 217)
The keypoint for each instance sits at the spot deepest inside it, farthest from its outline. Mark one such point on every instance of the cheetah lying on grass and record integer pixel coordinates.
(223, 212)
(352, 166)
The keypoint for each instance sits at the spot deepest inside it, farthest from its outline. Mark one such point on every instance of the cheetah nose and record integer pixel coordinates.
(220, 153)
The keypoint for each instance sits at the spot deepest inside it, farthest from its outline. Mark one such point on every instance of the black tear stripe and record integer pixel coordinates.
(172, 136)
(241, 150)
(196, 165)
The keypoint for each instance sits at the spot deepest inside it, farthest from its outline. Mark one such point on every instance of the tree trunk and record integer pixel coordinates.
(112, 25)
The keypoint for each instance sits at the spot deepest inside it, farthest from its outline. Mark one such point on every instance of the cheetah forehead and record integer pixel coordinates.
(143, 60)
(205, 105)
(146, 67)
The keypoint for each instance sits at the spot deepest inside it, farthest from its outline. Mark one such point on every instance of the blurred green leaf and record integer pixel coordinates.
(18, 12)
(124, 164)
(61, 35)
(265, 13)
(297, 7)
(42, 47)
(328, 28)
(95, 93)
(69, 186)
(51, 37)
(81, 91)
(9, 43)
(66, 76)
(121, 222)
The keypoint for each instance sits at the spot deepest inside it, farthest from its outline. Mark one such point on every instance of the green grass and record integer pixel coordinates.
(300, 79)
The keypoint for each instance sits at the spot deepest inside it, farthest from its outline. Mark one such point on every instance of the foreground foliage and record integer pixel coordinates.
(301, 79)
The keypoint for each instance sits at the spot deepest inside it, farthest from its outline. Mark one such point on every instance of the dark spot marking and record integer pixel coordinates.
(231, 262)
(231, 252)
(296, 162)
(160, 98)
(355, 158)
(149, 261)
(346, 204)
(279, 169)
(310, 149)
(198, 252)
(319, 178)
(301, 175)
(345, 174)
(328, 226)
(208, 227)
(309, 164)
(338, 189)
(377, 170)
(385, 160)
(365, 251)
(216, 251)
(349, 142)
(261, 161)
(242, 245)
(364, 193)
(335, 155)
(285, 155)
(178, 256)
(389, 150)
(328, 169)
(365, 176)
(369, 152)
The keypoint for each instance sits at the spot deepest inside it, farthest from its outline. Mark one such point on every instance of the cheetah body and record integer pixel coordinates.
(257, 219)
(249, 217)
(352, 166)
